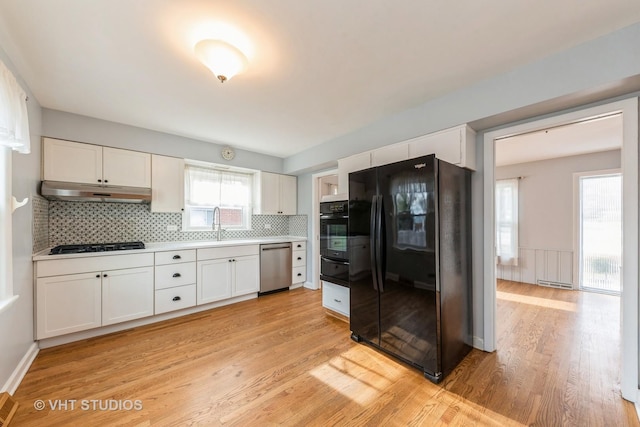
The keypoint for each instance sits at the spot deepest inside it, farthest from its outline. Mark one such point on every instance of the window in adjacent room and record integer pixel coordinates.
(206, 188)
(507, 221)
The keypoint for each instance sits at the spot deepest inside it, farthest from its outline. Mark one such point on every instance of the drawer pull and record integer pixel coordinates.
(299, 258)
(97, 276)
(177, 257)
(299, 274)
(104, 275)
(176, 299)
(337, 300)
(177, 275)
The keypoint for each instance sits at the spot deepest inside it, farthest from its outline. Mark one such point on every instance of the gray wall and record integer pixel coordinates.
(16, 323)
(599, 63)
(73, 127)
(547, 217)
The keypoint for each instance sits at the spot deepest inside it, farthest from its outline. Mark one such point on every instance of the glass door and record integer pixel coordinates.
(600, 232)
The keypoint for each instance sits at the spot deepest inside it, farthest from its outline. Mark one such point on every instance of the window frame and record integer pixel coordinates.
(187, 227)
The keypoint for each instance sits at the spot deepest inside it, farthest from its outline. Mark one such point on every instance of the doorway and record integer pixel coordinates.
(629, 166)
(599, 222)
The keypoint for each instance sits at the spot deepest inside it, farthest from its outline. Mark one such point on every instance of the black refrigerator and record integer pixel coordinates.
(410, 262)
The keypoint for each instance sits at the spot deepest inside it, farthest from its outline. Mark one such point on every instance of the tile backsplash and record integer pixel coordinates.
(59, 223)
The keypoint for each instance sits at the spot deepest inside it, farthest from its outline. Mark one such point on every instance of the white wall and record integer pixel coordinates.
(546, 197)
(58, 124)
(547, 218)
(16, 323)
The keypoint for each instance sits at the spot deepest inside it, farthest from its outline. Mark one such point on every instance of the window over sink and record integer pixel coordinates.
(207, 188)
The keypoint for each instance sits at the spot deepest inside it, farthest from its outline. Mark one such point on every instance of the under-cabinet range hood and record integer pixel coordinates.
(70, 191)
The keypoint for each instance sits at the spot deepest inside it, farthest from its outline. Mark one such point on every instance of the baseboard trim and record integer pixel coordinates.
(21, 370)
(478, 343)
(310, 285)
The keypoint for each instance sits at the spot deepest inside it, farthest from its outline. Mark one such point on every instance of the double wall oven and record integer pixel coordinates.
(334, 254)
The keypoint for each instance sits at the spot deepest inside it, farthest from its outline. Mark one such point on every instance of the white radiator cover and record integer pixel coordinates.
(547, 267)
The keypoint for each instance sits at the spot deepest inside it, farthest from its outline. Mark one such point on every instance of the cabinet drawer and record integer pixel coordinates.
(299, 246)
(299, 274)
(169, 276)
(57, 267)
(299, 258)
(171, 299)
(175, 257)
(335, 297)
(227, 252)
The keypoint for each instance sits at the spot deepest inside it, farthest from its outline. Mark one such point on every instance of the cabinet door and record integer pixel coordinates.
(214, 280)
(167, 184)
(126, 168)
(445, 145)
(351, 164)
(247, 275)
(127, 294)
(390, 154)
(288, 195)
(71, 161)
(269, 193)
(66, 304)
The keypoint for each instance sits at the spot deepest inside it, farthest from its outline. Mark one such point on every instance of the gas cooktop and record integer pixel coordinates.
(95, 247)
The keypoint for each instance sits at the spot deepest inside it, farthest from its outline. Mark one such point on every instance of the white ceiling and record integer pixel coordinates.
(317, 69)
(590, 136)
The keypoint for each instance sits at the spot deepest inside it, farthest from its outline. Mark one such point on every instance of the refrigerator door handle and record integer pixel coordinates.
(372, 241)
(379, 236)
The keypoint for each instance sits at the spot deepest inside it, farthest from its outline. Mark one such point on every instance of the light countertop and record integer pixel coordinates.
(172, 246)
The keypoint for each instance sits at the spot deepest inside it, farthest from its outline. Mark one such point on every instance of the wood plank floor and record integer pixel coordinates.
(280, 360)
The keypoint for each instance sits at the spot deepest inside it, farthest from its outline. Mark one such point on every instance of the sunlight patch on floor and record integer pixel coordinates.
(346, 374)
(542, 302)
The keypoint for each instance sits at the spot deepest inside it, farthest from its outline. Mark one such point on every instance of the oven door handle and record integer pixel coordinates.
(334, 261)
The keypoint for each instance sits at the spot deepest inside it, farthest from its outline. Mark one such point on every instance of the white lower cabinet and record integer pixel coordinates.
(214, 280)
(299, 262)
(171, 299)
(71, 296)
(127, 295)
(335, 298)
(69, 303)
(231, 272)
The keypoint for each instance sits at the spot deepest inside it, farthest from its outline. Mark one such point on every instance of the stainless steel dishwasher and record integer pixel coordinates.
(275, 267)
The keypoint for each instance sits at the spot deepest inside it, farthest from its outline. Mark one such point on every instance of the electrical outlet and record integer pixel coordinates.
(267, 226)
(172, 228)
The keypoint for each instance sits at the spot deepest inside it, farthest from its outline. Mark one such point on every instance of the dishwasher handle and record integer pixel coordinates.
(271, 248)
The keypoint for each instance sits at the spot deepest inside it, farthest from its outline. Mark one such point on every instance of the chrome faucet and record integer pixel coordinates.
(218, 228)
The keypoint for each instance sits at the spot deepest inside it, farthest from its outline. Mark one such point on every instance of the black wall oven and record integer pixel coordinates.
(334, 253)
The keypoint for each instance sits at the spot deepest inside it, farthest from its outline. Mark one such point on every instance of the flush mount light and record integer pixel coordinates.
(223, 59)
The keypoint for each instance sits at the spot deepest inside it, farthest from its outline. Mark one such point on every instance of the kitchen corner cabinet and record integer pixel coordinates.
(69, 161)
(227, 272)
(276, 194)
(167, 184)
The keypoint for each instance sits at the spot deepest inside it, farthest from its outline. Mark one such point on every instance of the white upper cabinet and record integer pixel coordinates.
(390, 154)
(350, 164)
(72, 161)
(455, 145)
(167, 184)
(126, 168)
(92, 164)
(275, 194)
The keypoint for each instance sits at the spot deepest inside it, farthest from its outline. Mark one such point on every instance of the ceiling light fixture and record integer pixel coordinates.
(223, 59)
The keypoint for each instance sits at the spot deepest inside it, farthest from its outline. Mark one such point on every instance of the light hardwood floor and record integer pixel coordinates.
(280, 360)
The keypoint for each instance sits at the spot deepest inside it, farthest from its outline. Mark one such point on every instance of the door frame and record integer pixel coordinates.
(629, 165)
(577, 235)
(315, 228)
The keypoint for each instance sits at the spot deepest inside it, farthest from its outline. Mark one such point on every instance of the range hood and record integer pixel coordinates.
(71, 191)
